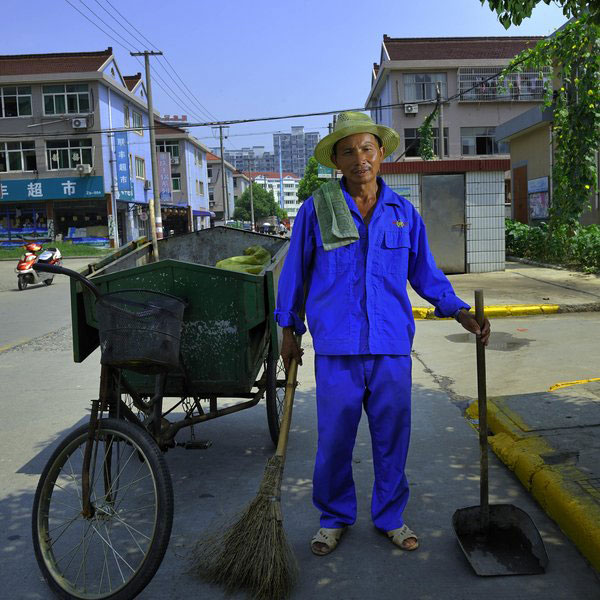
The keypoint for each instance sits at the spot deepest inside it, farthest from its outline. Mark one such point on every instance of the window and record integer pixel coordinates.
(475, 84)
(66, 99)
(199, 187)
(481, 140)
(170, 146)
(421, 86)
(67, 154)
(411, 134)
(17, 156)
(15, 102)
(198, 157)
(209, 172)
(176, 183)
(126, 121)
(140, 168)
(137, 122)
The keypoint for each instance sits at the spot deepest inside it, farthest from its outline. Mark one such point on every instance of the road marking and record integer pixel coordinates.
(12, 345)
(564, 384)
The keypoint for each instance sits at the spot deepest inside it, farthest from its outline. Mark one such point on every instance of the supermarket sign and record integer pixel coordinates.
(54, 188)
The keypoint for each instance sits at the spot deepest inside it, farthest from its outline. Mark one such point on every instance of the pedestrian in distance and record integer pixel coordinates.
(354, 245)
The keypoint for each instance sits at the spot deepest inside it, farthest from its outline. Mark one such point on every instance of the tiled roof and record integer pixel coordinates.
(65, 62)
(457, 48)
(445, 166)
(160, 127)
(272, 174)
(211, 156)
(132, 80)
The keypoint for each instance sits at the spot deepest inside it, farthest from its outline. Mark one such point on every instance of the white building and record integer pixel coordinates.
(270, 182)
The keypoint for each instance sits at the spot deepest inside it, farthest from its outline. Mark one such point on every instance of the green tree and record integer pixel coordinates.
(310, 182)
(573, 53)
(264, 205)
(512, 12)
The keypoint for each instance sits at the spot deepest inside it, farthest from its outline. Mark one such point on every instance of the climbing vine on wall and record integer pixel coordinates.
(574, 53)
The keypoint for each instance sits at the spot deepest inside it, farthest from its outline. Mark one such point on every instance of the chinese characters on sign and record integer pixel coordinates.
(52, 188)
(164, 175)
(122, 162)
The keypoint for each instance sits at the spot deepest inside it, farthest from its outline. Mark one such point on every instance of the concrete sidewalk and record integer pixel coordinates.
(523, 289)
(550, 440)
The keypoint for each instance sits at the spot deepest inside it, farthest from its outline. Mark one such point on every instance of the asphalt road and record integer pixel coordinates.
(37, 310)
(44, 395)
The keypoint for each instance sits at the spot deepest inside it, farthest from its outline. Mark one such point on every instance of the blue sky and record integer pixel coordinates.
(251, 59)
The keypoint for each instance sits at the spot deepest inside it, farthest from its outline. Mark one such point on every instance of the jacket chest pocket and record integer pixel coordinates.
(338, 260)
(394, 250)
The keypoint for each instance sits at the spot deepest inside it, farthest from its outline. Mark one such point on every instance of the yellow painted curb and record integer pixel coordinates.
(12, 345)
(495, 311)
(555, 487)
(564, 384)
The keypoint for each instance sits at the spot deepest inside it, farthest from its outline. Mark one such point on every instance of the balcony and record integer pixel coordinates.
(528, 86)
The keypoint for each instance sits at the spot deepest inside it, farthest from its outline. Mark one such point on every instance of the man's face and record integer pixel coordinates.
(358, 157)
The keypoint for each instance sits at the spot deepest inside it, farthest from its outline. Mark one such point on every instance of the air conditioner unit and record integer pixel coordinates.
(147, 184)
(84, 169)
(80, 123)
(411, 109)
(174, 160)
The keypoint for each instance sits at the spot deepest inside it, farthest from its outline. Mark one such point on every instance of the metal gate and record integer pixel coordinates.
(443, 211)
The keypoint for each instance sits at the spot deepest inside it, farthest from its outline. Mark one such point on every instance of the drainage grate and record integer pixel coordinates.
(592, 487)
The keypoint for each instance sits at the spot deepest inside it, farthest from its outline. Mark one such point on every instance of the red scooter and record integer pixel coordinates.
(25, 272)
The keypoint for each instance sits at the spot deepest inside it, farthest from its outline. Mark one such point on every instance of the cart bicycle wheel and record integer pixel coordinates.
(115, 553)
(275, 394)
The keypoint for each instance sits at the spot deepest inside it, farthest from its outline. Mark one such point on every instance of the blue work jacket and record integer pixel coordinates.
(357, 301)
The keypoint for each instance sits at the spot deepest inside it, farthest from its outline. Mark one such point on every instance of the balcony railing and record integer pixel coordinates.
(528, 86)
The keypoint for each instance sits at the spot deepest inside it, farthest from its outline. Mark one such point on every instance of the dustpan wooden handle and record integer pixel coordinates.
(286, 420)
(482, 404)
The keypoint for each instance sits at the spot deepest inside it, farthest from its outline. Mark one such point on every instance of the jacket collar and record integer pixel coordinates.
(386, 195)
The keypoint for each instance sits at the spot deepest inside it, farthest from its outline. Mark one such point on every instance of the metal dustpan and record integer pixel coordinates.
(500, 539)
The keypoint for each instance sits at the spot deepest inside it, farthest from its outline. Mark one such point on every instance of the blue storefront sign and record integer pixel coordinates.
(164, 176)
(54, 188)
(122, 164)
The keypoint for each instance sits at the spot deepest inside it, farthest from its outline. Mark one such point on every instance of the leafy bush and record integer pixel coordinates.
(578, 247)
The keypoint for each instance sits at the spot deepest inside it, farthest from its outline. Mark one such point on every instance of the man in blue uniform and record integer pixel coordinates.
(354, 246)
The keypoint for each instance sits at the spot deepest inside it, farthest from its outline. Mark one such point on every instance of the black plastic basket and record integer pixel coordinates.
(140, 330)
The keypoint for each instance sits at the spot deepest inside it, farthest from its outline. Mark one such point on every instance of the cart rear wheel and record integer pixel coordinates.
(275, 394)
(115, 553)
(48, 281)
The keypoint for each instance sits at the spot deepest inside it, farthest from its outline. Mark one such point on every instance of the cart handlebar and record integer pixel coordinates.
(44, 268)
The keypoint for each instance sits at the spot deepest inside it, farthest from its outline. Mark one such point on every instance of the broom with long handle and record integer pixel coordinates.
(254, 554)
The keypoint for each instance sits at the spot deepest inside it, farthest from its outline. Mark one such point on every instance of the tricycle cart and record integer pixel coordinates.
(175, 334)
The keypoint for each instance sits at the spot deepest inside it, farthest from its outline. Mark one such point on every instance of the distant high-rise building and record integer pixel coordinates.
(296, 148)
(249, 159)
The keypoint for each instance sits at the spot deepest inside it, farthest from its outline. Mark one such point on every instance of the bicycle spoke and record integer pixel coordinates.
(65, 522)
(131, 527)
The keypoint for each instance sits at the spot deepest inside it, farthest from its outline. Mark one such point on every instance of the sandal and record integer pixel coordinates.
(329, 538)
(400, 536)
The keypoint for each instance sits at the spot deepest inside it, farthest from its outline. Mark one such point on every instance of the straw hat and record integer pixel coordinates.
(349, 123)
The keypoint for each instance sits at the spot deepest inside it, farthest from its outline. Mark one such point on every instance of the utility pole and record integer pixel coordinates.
(251, 195)
(440, 107)
(223, 178)
(155, 186)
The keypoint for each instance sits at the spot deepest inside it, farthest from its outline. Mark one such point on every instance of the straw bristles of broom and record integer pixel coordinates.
(253, 554)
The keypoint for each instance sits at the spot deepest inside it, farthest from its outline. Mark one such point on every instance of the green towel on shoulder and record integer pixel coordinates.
(335, 220)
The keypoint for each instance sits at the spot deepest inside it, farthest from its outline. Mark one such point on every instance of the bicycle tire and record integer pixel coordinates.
(111, 515)
(275, 394)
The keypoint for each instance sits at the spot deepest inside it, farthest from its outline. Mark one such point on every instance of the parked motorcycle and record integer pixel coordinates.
(25, 272)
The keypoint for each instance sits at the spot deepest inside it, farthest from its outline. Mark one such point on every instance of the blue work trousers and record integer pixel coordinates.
(382, 384)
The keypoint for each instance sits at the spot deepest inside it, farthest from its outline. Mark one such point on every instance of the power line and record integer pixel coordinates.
(123, 45)
(159, 63)
(271, 117)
